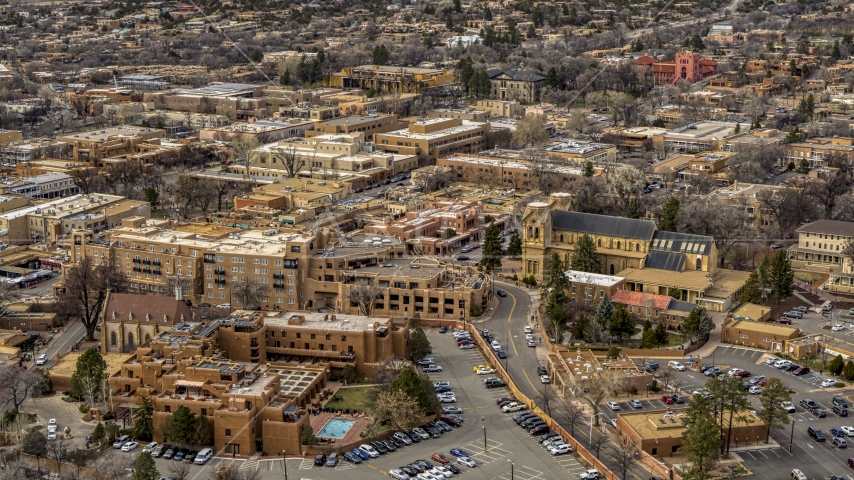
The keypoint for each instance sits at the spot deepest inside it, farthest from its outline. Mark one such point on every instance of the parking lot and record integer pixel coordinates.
(506, 442)
(815, 459)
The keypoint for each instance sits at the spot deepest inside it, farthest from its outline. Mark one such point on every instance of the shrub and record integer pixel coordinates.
(633, 390)
(613, 352)
(108, 416)
(839, 384)
(83, 408)
(475, 311)
(653, 386)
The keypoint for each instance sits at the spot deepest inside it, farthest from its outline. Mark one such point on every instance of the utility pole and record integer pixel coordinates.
(484, 438)
(285, 462)
(792, 437)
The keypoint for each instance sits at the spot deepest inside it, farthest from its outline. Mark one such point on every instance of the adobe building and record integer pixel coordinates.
(129, 320)
(758, 334)
(660, 435)
(434, 138)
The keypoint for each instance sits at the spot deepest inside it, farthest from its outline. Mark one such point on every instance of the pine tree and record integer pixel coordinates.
(407, 381)
(419, 346)
(648, 338)
(803, 167)
(182, 423)
(552, 79)
(604, 311)
(836, 54)
(514, 245)
(487, 14)
(849, 371)
(674, 292)
(751, 292)
(661, 336)
(588, 170)
(836, 365)
(737, 128)
(622, 324)
(142, 428)
(669, 212)
(632, 209)
(780, 276)
(701, 441)
(585, 258)
(491, 248)
(285, 78)
(145, 468)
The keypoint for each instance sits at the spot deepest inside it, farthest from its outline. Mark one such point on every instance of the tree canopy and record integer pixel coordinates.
(585, 258)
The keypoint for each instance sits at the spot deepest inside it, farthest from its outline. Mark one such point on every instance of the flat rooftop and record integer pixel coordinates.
(104, 134)
(68, 363)
(354, 120)
(579, 147)
(510, 163)
(593, 278)
(465, 127)
(702, 131)
(760, 327)
(322, 321)
(652, 425)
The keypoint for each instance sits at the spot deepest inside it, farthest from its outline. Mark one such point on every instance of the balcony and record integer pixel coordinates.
(220, 271)
(156, 263)
(210, 259)
(146, 270)
(137, 260)
(279, 276)
(137, 269)
(146, 262)
(278, 285)
(157, 271)
(220, 281)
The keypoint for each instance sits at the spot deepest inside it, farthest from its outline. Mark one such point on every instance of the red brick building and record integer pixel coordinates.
(687, 66)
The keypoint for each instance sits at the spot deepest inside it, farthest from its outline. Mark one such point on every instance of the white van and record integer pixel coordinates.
(203, 456)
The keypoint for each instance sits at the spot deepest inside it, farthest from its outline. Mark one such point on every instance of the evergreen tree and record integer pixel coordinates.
(622, 324)
(674, 292)
(648, 339)
(697, 324)
(794, 135)
(491, 248)
(669, 213)
(142, 428)
(701, 441)
(751, 292)
(552, 79)
(632, 209)
(256, 56)
(419, 346)
(588, 170)
(835, 54)
(836, 365)
(202, 431)
(98, 434)
(285, 78)
(89, 374)
(487, 14)
(848, 373)
(773, 415)
(531, 32)
(145, 468)
(181, 425)
(379, 55)
(604, 311)
(737, 128)
(514, 245)
(807, 107)
(585, 258)
(803, 167)
(458, 7)
(661, 336)
(407, 381)
(780, 276)
(465, 70)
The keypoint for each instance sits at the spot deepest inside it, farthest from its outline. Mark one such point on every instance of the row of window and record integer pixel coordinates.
(284, 334)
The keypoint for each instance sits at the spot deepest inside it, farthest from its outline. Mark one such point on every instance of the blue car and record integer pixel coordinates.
(459, 452)
(352, 458)
(501, 354)
(837, 432)
(361, 453)
(443, 329)
(443, 389)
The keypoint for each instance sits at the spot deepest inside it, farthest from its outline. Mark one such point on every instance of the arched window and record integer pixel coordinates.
(130, 339)
(537, 233)
(637, 247)
(530, 233)
(618, 245)
(599, 242)
(561, 238)
(113, 338)
(699, 263)
(612, 269)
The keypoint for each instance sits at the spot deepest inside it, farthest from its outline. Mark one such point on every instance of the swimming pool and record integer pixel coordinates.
(335, 428)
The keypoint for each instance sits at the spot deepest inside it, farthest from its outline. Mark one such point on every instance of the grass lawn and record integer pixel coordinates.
(673, 340)
(353, 398)
(808, 276)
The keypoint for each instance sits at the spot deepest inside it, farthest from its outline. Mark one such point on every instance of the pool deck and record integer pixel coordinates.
(352, 435)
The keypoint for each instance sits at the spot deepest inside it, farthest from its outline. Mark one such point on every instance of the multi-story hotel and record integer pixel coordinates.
(434, 138)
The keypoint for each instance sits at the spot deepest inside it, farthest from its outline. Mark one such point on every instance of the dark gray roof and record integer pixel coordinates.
(829, 227)
(681, 242)
(602, 225)
(524, 74)
(681, 306)
(665, 260)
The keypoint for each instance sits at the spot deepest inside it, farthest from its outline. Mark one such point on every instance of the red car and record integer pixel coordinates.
(440, 458)
(667, 399)
(504, 399)
(785, 321)
(463, 342)
(741, 374)
(760, 383)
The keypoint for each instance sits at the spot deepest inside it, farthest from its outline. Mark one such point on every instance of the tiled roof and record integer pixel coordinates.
(641, 299)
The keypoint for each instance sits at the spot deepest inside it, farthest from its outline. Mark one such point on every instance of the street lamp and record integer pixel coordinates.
(511, 468)
(285, 461)
(484, 437)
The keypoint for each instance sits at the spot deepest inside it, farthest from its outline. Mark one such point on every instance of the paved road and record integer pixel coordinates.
(62, 343)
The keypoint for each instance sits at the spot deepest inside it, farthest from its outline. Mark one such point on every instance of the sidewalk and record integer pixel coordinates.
(714, 336)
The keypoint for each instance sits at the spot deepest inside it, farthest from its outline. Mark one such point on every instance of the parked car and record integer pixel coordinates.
(501, 293)
(676, 365)
(635, 403)
(129, 446)
(432, 368)
(614, 406)
(591, 474)
(839, 411)
(320, 460)
(801, 371)
(789, 407)
(332, 460)
(839, 401)
(667, 399)
(678, 398)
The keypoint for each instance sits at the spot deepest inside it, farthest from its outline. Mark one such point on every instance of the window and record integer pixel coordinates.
(295, 248)
(742, 336)
(113, 338)
(227, 432)
(699, 263)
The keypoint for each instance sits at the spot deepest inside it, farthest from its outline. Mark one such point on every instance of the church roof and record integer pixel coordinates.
(146, 309)
(665, 260)
(602, 225)
(681, 242)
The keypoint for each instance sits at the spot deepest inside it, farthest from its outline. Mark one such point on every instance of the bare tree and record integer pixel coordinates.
(57, 451)
(186, 193)
(542, 171)
(84, 179)
(17, 384)
(249, 294)
(546, 396)
(625, 455)
(84, 105)
(363, 295)
(290, 158)
(531, 130)
(125, 177)
(242, 148)
(626, 182)
(598, 386)
(573, 412)
(233, 473)
(179, 470)
(85, 290)
(597, 441)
